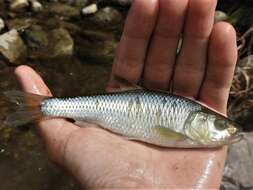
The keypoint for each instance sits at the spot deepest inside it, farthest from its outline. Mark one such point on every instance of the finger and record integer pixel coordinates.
(54, 132)
(31, 82)
(222, 56)
(163, 47)
(191, 62)
(130, 56)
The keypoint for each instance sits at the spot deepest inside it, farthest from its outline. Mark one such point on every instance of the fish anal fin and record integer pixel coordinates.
(168, 133)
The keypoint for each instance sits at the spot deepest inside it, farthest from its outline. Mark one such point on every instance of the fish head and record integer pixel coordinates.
(211, 129)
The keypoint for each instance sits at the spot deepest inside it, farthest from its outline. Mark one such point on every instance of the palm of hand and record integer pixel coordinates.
(98, 158)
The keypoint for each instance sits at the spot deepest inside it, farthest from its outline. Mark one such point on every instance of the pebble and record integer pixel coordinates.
(220, 16)
(17, 5)
(36, 6)
(12, 46)
(63, 43)
(107, 16)
(2, 25)
(64, 10)
(90, 9)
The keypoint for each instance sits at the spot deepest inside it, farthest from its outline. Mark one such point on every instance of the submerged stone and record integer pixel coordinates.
(36, 37)
(12, 47)
(46, 44)
(63, 44)
(17, 5)
(20, 23)
(64, 10)
(100, 50)
(107, 15)
(36, 6)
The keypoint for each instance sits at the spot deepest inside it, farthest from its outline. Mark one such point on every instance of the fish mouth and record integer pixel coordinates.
(236, 138)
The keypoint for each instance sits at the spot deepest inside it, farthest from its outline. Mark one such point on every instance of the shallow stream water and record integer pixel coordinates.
(23, 161)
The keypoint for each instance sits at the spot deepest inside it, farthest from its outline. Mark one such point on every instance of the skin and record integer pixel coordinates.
(203, 71)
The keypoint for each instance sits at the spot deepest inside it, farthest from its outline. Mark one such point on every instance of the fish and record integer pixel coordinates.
(150, 116)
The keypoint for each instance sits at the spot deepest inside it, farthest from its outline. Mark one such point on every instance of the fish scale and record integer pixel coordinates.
(134, 114)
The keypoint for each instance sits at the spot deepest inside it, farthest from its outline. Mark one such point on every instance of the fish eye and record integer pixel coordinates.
(232, 130)
(220, 124)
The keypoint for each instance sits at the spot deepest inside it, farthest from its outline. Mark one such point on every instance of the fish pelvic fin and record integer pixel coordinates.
(168, 133)
(26, 109)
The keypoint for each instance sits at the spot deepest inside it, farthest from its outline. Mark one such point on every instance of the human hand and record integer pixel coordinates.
(203, 71)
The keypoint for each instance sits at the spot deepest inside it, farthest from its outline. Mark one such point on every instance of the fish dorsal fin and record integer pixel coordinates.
(168, 133)
(126, 85)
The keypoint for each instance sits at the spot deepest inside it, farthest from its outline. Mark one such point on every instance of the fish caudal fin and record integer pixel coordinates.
(27, 107)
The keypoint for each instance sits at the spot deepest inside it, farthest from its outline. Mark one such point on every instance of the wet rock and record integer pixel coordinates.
(63, 43)
(12, 47)
(220, 16)
(2, 25)
(64, 10)
(73, 28)
(238, 169)
(36, 37)
(91, 9)
(36, 6)
(18, 5)
(20, 23)
(48, 44)
(107, 16)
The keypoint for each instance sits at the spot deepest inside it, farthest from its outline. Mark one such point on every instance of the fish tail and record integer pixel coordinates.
(27, 109)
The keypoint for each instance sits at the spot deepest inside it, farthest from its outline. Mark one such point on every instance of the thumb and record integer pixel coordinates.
(55, 132)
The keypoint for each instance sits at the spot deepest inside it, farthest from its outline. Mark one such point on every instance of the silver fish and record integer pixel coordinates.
(153, 117)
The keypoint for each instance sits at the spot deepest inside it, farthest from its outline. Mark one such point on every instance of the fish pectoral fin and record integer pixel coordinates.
(168, 133)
